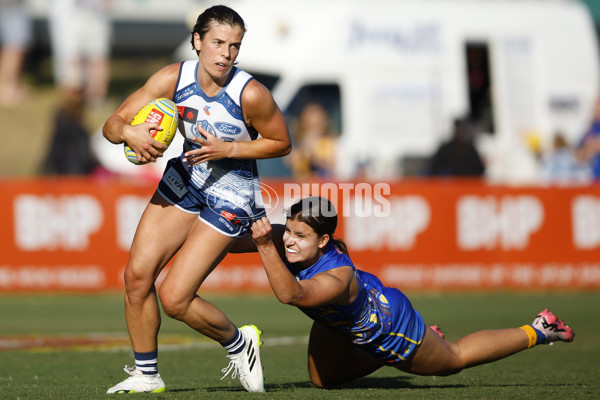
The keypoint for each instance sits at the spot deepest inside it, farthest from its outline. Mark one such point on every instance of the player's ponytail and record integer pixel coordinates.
(318, 213)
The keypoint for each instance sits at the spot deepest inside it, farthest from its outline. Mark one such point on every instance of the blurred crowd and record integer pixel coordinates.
(80, 37)
(80, 34)
(15, 38)
(315, 153)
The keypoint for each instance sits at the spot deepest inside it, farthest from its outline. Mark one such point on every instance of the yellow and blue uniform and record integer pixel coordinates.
(381, 320)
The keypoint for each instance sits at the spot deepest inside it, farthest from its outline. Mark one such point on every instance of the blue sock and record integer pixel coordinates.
(236, 344)
(541, 337)
(147, 362)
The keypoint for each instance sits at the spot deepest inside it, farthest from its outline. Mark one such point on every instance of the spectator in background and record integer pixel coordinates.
(588, 150)
(561, 164)
(314, 148)
(69, 151)
(458, 156)
(15, 37)
(80, 33)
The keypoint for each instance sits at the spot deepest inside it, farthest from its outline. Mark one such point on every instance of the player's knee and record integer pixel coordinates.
(453, 361)
(136, 282)
(173, 310)
(452, 366)
(172, 305)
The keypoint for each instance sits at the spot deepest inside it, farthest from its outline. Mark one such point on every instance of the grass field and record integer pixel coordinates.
(74, 347)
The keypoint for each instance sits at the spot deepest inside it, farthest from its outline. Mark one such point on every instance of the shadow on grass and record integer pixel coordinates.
(183, 390)
(399, 382)
(396, 382)
(363, 383)
(268, 387)
(402, 382)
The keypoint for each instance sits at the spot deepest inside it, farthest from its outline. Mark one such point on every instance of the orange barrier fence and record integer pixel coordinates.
(74, 234)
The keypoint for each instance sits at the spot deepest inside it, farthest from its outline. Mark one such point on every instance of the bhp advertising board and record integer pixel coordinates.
(74, 234)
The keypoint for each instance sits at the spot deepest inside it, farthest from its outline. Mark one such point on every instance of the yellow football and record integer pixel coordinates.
(161, 111)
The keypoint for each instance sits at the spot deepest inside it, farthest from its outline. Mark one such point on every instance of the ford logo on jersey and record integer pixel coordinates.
(228, 129)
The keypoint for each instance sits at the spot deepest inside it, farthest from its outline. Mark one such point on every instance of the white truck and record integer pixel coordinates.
(395, 73)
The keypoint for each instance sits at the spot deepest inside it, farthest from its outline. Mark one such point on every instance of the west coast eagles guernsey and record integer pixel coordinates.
(381, 320)
(225, 192)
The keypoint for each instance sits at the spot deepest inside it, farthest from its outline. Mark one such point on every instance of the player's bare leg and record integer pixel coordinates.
(333, 360)
(202, 252)
(437, 356)
(161, 231)
(194, 262)
(150, 252)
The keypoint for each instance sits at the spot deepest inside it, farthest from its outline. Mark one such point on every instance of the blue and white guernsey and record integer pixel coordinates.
(229, 188)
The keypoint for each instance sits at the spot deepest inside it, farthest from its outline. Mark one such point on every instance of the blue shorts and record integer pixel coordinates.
(406, 326)
(223, 216)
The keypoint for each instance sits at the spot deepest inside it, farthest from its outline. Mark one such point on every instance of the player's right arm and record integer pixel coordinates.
(245, 244)
(329, 287)
(117, 129)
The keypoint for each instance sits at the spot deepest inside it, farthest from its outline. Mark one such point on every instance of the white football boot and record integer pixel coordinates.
(246, 364)
(139, 383)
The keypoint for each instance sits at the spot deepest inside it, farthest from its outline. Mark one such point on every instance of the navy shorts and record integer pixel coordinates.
(223, 216)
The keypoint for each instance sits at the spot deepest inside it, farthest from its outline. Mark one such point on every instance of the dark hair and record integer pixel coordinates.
(219, 14)
(318, 213)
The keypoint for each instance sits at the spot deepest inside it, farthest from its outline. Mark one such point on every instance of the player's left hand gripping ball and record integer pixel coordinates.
(161, 111)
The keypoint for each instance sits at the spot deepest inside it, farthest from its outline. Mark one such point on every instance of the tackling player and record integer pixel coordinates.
(359, 324)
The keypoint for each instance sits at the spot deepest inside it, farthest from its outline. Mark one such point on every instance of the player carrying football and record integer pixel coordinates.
(207, 197)
(360, 325)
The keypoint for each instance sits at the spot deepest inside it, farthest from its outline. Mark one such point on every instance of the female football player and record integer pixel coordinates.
(359, 324)
(208, 196)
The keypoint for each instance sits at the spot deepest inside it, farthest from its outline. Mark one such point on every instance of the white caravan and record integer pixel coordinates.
(395, 73)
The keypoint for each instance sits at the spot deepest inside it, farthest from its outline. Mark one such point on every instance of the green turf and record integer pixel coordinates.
(565, 371)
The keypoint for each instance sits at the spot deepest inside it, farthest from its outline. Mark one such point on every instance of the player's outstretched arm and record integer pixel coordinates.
(322, 289)
(245, 244)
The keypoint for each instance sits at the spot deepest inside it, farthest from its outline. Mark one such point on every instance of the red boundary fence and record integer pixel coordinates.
(74, 234)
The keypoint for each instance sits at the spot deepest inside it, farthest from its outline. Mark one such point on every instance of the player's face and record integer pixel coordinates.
(219, 49)
(302, 244)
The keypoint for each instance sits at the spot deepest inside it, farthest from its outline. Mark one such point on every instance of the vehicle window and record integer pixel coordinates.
(480, 88)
